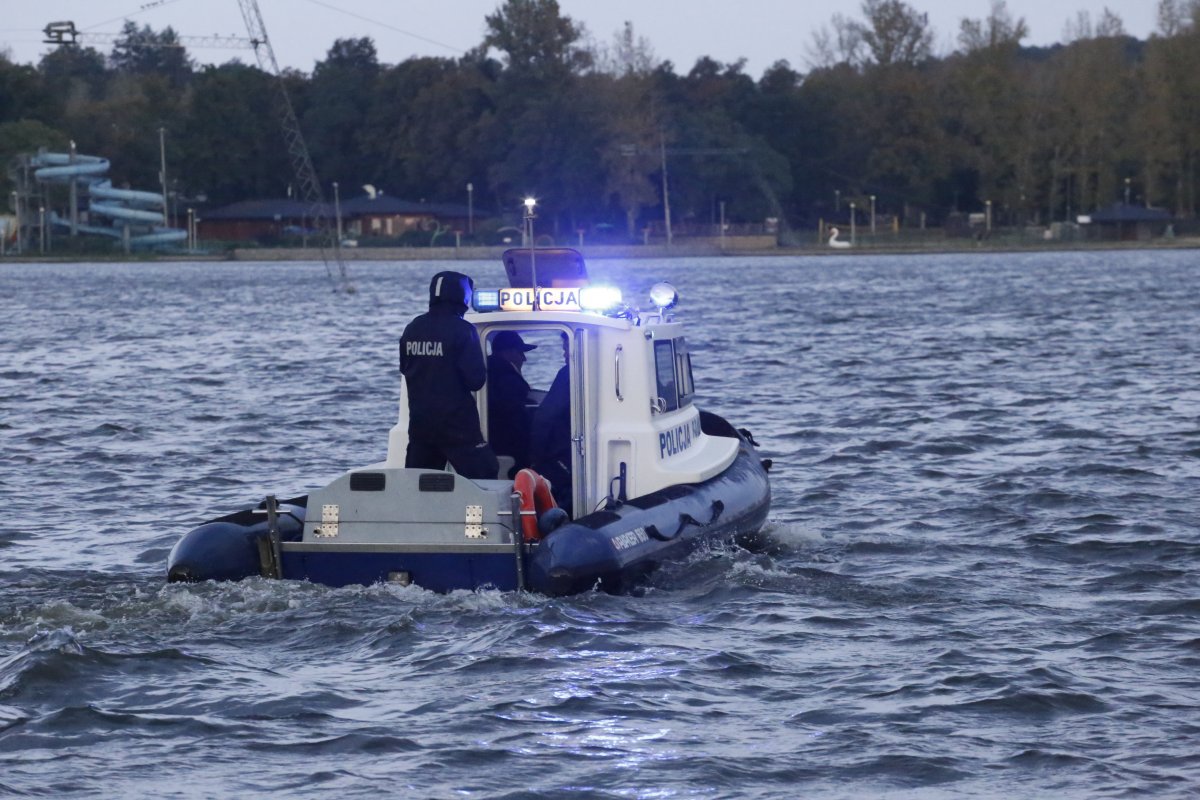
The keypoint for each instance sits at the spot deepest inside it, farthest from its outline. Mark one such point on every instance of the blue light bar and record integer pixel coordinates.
(599, 299)
(487, 300)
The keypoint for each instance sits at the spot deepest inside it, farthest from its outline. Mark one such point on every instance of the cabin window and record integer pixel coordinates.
(664, 372)
(683, 372)
(673, 374)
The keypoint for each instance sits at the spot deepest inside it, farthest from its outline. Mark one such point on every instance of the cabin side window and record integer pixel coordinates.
(683, 371)
(664, 375)
(673, 373)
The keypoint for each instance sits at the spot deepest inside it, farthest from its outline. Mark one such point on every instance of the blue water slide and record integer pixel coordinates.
(60, 167)
(140, 212)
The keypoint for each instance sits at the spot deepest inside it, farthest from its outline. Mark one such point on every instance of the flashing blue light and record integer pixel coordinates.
(664, 296)
(599, 299)
(487, 300)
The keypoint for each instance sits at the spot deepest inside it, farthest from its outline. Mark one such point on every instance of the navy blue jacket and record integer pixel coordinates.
(551, 439)
(508, 418)
(442, 364)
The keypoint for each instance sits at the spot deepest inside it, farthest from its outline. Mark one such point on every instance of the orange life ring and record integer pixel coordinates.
(536, 499)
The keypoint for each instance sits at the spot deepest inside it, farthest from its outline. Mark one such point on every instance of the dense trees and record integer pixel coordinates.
(142, 51)
(340, 96)
(1039, 134)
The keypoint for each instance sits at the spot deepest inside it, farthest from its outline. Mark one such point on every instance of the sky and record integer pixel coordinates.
(681, 31)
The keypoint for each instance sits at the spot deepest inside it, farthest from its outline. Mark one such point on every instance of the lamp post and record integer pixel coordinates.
(74, 197)
(837, 201)
(722, 225)
(987, 204)
(1127, 191)
(872, 215)
(337, 212)
(662, 147)
(470, 208)
(162, 154)
(17, 209)
(852, 224)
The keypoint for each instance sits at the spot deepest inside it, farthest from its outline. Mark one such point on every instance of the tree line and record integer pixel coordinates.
(598, 132)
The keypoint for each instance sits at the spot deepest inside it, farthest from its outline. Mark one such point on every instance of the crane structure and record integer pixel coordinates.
(65, 33)
(306, 176)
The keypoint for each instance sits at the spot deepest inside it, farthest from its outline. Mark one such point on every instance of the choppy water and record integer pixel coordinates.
(982, 579)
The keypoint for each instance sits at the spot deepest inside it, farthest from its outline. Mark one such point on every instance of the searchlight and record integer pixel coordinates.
(664, 296)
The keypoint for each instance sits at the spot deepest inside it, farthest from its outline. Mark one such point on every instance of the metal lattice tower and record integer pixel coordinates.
(310, 186)
(65, 33)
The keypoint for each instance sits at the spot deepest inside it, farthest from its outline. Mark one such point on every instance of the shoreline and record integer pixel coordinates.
(685, 249)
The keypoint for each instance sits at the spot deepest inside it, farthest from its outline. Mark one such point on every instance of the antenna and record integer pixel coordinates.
(530, 204)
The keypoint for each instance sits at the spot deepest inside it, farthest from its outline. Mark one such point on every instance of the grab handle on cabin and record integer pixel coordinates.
(617, 374)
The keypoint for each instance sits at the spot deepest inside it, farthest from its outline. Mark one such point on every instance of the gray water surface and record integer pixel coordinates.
(981, 577)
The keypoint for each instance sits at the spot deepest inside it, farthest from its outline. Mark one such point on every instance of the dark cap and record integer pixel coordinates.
(510, 340)
(452, 288)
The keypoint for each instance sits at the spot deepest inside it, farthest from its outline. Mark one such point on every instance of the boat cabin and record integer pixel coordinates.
(620, 421)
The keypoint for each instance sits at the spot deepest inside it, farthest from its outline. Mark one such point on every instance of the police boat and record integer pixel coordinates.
(641, 475)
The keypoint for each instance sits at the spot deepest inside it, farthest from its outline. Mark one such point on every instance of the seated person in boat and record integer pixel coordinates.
(550, 446)
(509, 418)
(443, 364)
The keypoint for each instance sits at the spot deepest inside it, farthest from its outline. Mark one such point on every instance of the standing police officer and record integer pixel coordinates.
(443, 364)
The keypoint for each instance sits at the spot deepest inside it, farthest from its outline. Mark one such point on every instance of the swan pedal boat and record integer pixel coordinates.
(653, 475)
